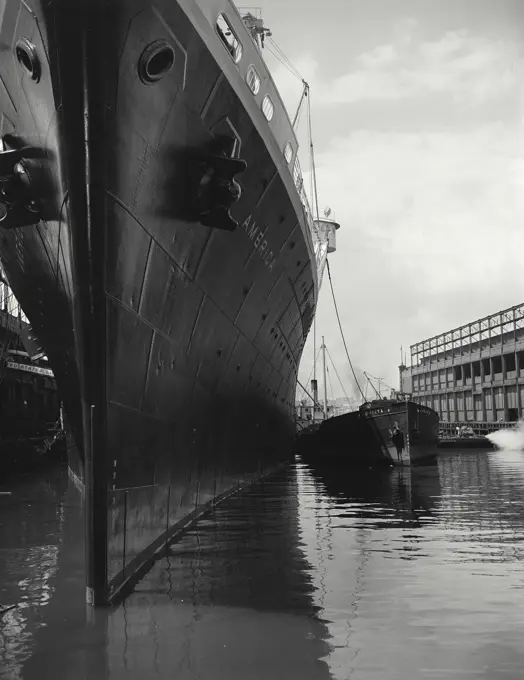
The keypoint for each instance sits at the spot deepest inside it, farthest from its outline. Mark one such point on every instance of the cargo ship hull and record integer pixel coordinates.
(175, 345)
(363, 437)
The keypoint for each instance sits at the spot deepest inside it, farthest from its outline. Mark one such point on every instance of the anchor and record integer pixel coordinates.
(218, 190)
(18, 206)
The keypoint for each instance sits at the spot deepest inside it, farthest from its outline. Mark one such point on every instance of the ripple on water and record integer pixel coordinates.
(316, 573)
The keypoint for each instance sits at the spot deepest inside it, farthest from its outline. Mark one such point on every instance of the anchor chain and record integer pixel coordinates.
(18, 205)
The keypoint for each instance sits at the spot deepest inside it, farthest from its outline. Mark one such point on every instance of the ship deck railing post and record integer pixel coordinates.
(168, 510)
(96, 507)
(124, 542)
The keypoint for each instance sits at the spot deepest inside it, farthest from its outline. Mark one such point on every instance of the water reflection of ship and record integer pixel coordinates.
(233, 599)
(411, 491)
(41, 537)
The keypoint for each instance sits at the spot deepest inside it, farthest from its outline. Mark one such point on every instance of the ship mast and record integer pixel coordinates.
(325, 377)
(314, 384)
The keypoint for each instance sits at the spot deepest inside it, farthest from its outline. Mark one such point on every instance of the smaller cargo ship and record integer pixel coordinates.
(382, 432)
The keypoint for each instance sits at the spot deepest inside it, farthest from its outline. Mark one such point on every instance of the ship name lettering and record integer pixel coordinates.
(259, 243)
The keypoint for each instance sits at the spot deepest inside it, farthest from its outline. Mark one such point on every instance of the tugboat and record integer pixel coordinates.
(394, 431)
(155, 229)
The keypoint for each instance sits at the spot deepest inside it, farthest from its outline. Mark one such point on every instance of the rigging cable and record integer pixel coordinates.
(380, 381)
(309, 378)
(339, 380)
(287, 62)
(312, 156)
(373, 386)
(298, 113)
(330, 384)
(311, 165)
(341, 331)
(315, 403)
(281, 57)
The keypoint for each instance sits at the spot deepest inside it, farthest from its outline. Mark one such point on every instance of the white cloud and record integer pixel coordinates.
(470, 68)
(432, 236)
(433, 218)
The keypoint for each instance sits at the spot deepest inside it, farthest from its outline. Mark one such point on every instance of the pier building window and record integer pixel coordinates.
(228, 37)
(253, 80)
(513, 414)
(520, 357)
(476, 371)
(288, 152)
(479, 414)
(510, 365)
(487, 367)
(512, 397)
(488, 404)
(267, 107)
(497, 365)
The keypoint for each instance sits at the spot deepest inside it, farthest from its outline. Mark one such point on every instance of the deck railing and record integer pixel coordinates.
(478, 427)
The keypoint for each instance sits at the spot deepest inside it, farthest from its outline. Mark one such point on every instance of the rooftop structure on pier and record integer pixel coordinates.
(471, 373)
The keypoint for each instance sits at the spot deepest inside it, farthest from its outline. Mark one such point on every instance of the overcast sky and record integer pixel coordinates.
(417, 108)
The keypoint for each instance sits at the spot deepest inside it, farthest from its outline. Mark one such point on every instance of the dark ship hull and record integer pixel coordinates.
(175, 345)
(363, 437)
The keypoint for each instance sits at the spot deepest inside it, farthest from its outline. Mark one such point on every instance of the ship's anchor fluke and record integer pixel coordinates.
(18, 206)
(218, 191)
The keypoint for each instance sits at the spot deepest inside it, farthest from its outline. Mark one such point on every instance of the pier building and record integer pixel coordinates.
(28, 396)
(474, 373)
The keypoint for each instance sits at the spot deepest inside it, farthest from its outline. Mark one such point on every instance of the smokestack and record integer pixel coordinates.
(314, 390)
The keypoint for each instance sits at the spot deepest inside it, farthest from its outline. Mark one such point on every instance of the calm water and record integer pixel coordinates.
(404, 574)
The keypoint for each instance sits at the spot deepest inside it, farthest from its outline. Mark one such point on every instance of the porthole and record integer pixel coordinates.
(253, 80)
(28, 58)
(229, 38)
(288, 152)
(156, 61)
(267, 107)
